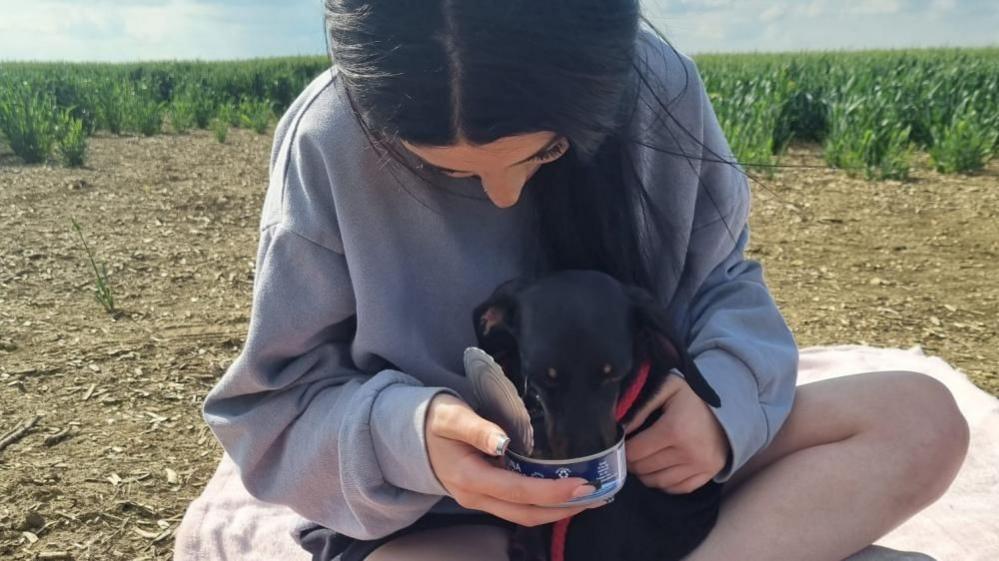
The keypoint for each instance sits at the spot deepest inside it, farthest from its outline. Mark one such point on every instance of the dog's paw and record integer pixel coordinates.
(527, 544)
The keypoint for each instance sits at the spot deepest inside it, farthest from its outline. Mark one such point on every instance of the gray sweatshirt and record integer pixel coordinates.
(366, 278)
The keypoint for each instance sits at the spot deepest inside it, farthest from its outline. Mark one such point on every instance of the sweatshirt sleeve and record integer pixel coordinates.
(340, 447)
(736, 335)
(744, 349)
(307, 429)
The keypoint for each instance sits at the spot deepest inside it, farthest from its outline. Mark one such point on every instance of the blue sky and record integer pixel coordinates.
(120, 30)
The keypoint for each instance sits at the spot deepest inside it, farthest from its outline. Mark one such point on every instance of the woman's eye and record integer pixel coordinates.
(448, 173)
(552, 153)
(555, 151)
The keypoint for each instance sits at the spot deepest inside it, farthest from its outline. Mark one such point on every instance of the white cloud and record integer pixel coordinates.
(774, 12)
(109, 30)
(874, 7)
(815, 8)
(176, 20)
(706, 4)
(780, 25)
(116, 30)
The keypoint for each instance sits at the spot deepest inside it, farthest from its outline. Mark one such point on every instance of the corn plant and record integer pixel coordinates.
(72, 139)
(28, 120)
(255, 115)
(966, 143)
(111, 104)
(102, 289)
(749, 109)
(181, 116)
(229, 112)
(196, 106)
(203, 106)
(145, 115)
(866, 137)
(220, 127)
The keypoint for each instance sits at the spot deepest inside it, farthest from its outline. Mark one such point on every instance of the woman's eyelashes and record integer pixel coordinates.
(551, 154)
(554, 151)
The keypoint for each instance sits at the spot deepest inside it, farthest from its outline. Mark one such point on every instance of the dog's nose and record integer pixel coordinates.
(586, 443)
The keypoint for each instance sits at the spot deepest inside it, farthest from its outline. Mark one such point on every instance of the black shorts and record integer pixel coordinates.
(325, 544)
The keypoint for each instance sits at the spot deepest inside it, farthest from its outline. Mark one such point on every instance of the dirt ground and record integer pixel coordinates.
(175, 219)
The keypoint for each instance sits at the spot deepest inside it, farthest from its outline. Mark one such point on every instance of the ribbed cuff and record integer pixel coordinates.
(398, 421)
(740, 414)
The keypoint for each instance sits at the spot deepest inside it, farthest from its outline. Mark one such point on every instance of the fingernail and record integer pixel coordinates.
(583, 490)
(502, 441)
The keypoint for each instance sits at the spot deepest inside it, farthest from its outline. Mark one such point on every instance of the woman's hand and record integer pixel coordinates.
(456, 439)
(684, 448)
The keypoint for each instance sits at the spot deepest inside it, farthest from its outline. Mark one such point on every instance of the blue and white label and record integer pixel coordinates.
(609, 468)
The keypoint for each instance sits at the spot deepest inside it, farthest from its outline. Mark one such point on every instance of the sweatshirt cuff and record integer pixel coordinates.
(398, 421)
(740, 415)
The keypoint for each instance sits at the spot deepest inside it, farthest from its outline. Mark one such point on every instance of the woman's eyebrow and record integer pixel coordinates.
(551, 143)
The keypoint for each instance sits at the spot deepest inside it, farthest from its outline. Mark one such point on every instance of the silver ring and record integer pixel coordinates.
(501, 445)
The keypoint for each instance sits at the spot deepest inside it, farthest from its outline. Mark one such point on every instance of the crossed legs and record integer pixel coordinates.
(857, 456)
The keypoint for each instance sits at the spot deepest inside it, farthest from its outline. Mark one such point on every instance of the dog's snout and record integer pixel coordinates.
(580, 437)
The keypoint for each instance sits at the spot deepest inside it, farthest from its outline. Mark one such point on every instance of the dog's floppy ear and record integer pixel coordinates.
(495, 322)
(655, 343)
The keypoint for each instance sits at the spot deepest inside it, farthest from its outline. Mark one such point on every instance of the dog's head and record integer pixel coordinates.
(571, 342)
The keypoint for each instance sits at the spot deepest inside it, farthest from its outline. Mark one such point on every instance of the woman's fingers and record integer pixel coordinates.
(479, 477)
(452, 419)
(455, 420)
(524, 515)
(690, 484)
(668, 479)
(662, 395)
(646, 443)
(660, 460)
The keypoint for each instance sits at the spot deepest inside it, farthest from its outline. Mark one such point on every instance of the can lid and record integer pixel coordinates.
(498, 400)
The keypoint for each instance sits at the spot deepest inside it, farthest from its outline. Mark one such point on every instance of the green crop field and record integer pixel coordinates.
(41, 104)
(870, 110)
(131, 197)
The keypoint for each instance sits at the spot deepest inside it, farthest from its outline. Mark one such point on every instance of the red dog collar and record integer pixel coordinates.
(624, 403)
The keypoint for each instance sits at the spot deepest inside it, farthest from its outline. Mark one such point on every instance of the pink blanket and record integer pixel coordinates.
(227, 524)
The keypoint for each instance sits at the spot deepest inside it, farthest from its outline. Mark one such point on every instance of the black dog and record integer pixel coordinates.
(575, 340)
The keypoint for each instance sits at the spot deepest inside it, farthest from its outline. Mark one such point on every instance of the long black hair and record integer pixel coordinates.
(432, 71)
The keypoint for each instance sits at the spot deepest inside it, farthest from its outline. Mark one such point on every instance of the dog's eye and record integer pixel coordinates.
(612, 375)
(549, 380)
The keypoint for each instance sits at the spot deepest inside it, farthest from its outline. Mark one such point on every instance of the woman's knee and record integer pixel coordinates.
(927, 432)
(455, 543)
(910, 418)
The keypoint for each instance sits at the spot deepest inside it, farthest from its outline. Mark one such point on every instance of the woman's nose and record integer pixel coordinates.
(503, 192)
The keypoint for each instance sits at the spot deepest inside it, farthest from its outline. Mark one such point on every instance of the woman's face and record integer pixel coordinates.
(503, 166)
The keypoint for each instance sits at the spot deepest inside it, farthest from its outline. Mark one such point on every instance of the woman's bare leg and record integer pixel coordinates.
(857, 456)
(480, 542)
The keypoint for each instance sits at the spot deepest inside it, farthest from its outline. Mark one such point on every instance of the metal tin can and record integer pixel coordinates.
(606, 470)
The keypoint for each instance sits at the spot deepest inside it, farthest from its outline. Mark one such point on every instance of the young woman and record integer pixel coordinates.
(457, 144)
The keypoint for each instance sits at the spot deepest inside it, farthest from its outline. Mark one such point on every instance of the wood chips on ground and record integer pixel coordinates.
(118, 448)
